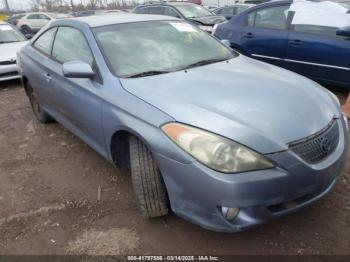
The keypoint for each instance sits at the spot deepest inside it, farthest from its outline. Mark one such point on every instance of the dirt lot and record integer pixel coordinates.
(49, 184)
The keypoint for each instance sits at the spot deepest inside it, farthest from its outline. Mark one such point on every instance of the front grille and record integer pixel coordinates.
(319, 146)
(8, 62)
(9, 74)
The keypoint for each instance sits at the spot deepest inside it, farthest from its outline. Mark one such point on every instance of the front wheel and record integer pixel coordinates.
(149, 190)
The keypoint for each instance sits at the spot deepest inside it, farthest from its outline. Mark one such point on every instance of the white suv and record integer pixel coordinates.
(33, 22)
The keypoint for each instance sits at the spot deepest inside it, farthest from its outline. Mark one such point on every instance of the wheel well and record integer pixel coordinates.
(25, 83)
(120, 149)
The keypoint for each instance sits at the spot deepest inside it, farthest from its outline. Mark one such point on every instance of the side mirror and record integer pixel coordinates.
(226, 42)
(77, 69)
(344, 31)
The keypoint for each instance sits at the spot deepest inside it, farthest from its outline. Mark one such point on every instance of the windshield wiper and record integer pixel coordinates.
(204, 62)
(149, 73)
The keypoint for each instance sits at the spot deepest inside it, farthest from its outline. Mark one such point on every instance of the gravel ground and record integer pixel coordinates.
(49, 183)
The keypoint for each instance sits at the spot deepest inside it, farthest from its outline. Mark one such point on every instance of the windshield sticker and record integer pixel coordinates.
(183, 27)
(5, 28)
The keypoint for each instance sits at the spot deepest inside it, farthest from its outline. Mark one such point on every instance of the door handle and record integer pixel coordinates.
(48, 77)
(249, 35)
(296, 42)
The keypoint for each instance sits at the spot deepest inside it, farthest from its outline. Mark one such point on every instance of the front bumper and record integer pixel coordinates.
(196, 192)
(9, 72)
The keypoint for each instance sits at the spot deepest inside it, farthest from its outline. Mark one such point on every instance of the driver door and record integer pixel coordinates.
(77, 101)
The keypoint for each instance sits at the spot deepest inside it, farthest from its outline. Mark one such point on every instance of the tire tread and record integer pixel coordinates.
(149, 189)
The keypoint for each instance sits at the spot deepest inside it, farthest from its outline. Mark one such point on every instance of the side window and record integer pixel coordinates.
(32, 17)
(171, 12)
(157, 10)
(251, 18)
(144, 10)
(218, 12)
(70, 44)
(43, 17)
(316, 30)
(270, 18)
(227, 11)
(240, 9)
(44, 42)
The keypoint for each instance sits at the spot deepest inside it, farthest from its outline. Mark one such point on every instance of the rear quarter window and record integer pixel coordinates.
(44, 42)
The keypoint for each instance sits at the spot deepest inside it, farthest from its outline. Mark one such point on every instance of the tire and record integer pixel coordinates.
(26, 30)
(149, 190)
(39, 113)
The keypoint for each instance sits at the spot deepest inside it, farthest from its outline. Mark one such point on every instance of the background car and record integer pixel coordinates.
(14, 18)
(11, 41)
(314, 47)
(96, 12)
(232, 10)
(193, 13)
(211, 7)
(33, 22)
(84, 13)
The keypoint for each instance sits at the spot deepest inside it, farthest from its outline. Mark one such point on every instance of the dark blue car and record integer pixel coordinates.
(266, 32)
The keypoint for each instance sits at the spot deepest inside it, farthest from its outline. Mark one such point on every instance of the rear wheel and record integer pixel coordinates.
(26, 30)
(149, 190)
(39, 113)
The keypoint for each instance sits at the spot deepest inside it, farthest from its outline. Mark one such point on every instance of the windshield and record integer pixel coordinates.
(134, 48)
(191, 11)
(8, 35)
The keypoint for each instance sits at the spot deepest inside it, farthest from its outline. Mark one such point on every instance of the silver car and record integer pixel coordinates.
(11, 41)
(221, 139)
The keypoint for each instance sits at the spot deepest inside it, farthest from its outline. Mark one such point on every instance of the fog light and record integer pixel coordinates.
(229, 213)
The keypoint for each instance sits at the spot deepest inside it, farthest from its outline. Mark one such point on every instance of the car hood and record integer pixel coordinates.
(9, 51)
(209, 20)
(256, 104)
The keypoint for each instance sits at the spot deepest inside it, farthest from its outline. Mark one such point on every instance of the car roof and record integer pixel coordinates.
(275, 2)
(120, 18)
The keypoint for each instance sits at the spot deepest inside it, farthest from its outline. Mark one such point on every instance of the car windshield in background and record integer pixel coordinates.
(9, 35)
(140, 49)
(191, 11)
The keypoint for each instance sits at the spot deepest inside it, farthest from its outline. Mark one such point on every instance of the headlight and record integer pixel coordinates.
(206, 28)
(214, 151)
